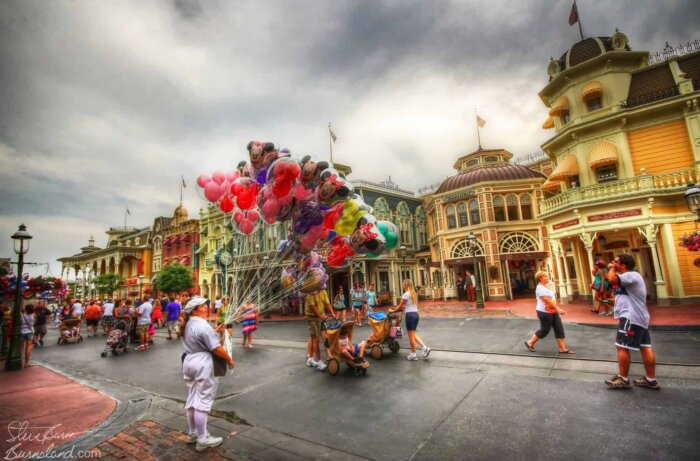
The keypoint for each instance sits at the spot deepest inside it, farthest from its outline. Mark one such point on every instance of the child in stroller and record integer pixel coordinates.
(386, 329)
(117, 340)
(69, 331)
(341, 348)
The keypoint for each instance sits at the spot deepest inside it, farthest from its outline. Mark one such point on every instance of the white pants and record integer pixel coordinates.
(198, 373)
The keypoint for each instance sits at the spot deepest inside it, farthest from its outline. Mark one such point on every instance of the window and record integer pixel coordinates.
(594, 104)
(138, 241)
(565, 117)
(607, 174)
(491, 159)
(451, 218)
(512, 203)
(526, 206)
(462, 213)
(472, 163)
(474, 214)
(499, 208)
(574, 181)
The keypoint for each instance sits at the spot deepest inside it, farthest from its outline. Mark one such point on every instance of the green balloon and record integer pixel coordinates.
(391, 240)
(373, 255)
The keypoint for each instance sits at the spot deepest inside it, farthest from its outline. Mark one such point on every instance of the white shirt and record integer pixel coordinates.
(410, 307)
(145, 311)
(77, 309)
(543, 291)
(108, 309)
(218, 303)
(473, 280)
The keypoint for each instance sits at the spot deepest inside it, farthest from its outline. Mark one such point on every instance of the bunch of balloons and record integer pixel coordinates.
(317, 203)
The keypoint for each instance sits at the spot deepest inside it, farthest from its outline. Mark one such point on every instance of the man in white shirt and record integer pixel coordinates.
(143, 323)
(107, 316)
(77, 309)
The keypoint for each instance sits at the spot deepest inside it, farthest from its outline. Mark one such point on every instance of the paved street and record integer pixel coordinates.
(481, 395)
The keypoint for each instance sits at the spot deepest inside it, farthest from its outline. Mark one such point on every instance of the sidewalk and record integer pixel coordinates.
(40, 410)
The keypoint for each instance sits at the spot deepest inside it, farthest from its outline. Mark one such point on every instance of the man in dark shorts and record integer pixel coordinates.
(633, 330)
(42, 316)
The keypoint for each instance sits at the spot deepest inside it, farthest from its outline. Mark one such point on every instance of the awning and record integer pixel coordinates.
(559, 106)
(550, 185)
(548, 124)
(592, 90)
(567, 167)
(603, 154)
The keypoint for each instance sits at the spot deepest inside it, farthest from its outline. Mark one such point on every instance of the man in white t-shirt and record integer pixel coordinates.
(143, 323)
(77, 309)
(107, 316)
(217, 304)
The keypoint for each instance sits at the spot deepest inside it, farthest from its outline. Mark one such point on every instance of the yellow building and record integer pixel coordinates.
(626, 144)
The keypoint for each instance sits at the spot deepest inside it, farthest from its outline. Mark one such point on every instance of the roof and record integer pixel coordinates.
(488, 174)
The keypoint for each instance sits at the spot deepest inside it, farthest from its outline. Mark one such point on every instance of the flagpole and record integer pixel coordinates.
(330, 140)
(478, 136)
(126, 210)
(182, 179)
(580, 29)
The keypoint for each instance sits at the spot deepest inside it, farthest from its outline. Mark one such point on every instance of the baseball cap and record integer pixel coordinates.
(194, 303)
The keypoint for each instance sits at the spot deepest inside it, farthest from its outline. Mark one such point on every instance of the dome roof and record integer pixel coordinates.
(487, 174)
(181, 212)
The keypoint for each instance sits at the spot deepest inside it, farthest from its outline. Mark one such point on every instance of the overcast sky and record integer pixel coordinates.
(107, 103)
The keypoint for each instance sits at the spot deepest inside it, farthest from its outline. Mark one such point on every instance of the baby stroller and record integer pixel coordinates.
(69, 331)
(333, 329)
(117, 339)
(386, 329)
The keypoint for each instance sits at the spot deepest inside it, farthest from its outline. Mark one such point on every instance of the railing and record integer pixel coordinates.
(530, 159)
(385, 186)
(649, 98)
(671, 52)
(639, 185)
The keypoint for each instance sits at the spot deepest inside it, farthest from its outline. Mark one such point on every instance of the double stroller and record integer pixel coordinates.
(333, 331)
(117, 339)
(69, 331)
(386, 329)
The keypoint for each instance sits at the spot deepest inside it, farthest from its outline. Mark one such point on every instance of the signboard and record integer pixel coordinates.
(459, 195)
(565, 224)
(615, 215)
(132, 281)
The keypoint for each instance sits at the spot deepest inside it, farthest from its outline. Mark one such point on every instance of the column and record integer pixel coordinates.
(661, 290)
(569, 287)
(563, 295)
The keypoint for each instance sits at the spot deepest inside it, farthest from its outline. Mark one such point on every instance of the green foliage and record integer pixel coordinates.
(175, 278)
(107, 284)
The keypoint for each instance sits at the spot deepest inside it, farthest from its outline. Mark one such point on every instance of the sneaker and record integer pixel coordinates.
(321, 365)
(644, 382)
(618, 382)
(191, 438)
(209, 442)
(412, 356)
(426, 352)
(310, 362)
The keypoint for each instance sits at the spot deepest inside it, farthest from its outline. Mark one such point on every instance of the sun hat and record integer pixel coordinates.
(194, 303)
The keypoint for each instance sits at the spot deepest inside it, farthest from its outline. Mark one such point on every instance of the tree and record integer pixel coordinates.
(175, 278)
(108, 283)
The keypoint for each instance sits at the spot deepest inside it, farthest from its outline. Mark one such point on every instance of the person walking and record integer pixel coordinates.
(201, 342)
(633, 331)
(409, 304)
(77, 310)
(93, 314)
(549, 314)
(371, 296)
(157, 316)
(27, 333)
(602, 288)
(459, 282)
(172, 315)
(107, 316)
(358, 300)
(42, 318)
(314, 311)
(339, 304)
(249, 322)
(143, 323)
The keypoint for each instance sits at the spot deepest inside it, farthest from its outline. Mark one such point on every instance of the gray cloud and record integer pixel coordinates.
(104, 104)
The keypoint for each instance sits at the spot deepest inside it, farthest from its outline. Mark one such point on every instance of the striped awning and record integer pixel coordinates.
(603, 154)
(567, 167)
(548, 124)
(559, 106)
(591, 90)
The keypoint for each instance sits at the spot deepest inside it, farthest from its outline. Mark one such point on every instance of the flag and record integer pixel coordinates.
(183, 182)
(573, 16)
(127, 211)
(333, 136)
(480, 121)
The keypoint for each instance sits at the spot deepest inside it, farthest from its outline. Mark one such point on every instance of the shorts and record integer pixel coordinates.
(40, 329)
(632, 336)
(107, 321)
(172, 324)
(314, 324)
(92, 323)
(548, 322)
(142, 330)
(27, 336)
(357, 307)
(412, 319)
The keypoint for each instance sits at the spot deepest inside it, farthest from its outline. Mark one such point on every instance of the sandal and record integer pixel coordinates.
(142, 347)
(530, 348)
(29, 364)
(567, 352)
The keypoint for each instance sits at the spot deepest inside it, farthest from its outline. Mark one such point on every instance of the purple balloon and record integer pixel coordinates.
(261, 176)
(306, 216)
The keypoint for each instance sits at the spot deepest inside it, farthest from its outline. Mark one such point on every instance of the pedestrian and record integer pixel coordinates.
(459, 282)
(371, 297)
(633, 331)
(27, 333)
(42, 318)
(315, 313)
(409, 304)
(358, 299)
(143, 323)
(217, 304)
(549, 314)
(93, 314)
(77, 310)
(66, 313)
(157, 317)
(201, 342)
(601, 287)
(249, 322)
(339, 304)
(470, 287)
(172, 313)
(107, 316)
(56, 315)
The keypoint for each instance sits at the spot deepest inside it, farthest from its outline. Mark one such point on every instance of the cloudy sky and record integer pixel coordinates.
(107, 103)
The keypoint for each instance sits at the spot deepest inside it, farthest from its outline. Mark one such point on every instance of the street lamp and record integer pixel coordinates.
(692, 197)
(141, 277)
(21, 246)
(473, 246)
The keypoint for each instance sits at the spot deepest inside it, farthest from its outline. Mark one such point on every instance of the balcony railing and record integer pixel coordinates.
(645, 184)
(649, 98)
(671, 52)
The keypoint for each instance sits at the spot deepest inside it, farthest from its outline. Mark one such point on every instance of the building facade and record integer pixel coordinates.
(627, 143)
(176, 241)
(497, 201)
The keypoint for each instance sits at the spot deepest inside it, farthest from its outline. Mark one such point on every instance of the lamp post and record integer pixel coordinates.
(21, 246)
(141, 277)
(477, 282)
(692, 197)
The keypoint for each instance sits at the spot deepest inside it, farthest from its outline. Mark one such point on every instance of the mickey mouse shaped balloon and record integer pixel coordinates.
(309, 178)
(333, 189)
(367, 238)
(261, 154)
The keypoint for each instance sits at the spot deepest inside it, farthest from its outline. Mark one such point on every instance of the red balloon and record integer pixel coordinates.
(238, 217)
(226, 204)
(332, 216)
(253, 215)
(218, 177)
(212, 191)
(202, 180)
(246, 227)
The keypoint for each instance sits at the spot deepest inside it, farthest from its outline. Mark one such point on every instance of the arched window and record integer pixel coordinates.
(518, 242)
(464, 249)
(512, 204)
(526, 206)
(451, 217)
(474, 214)
(462, 214)
(499, 208)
